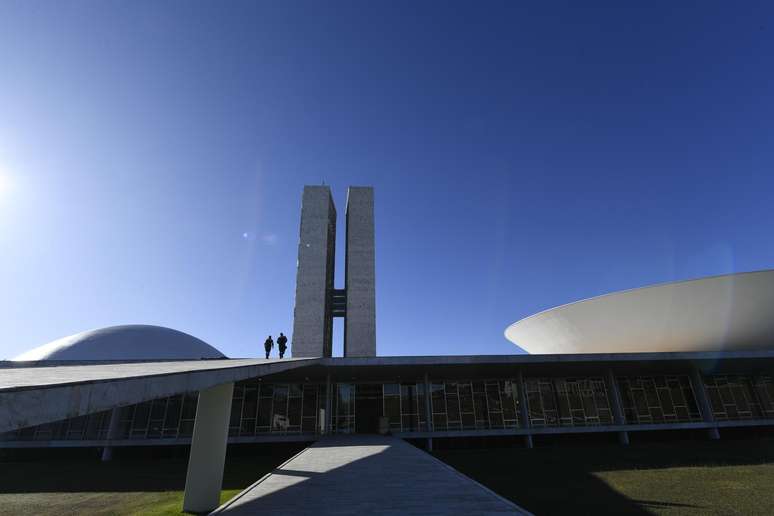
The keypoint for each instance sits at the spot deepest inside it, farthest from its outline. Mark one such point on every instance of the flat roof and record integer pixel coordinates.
(20, 376)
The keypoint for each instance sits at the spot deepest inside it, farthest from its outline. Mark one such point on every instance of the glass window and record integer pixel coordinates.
(172, 419)
(392, 412)
(391, 389)
(567, 401)
(279, 419)
(658, 399)
(738, 397)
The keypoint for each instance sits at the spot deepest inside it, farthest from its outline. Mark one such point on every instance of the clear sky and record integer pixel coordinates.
(523, 154)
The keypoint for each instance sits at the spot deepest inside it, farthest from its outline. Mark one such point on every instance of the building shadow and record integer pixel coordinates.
(564, 478)
(133, 469)
(554, 478)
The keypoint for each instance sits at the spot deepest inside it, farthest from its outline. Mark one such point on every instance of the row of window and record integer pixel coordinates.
(741, 397)
(259, 408)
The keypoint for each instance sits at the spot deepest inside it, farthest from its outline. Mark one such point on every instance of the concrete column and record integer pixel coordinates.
(428, 412)
(617, 406)
(204, 479)
(312, 314)
(328, 405)
(704, 405)
(360, 321)
(112, 433)
(523, 410)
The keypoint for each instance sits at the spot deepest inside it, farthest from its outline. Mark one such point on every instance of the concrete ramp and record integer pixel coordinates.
(366, 475)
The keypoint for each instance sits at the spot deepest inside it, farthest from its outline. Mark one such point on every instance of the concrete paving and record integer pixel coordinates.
(371, 475)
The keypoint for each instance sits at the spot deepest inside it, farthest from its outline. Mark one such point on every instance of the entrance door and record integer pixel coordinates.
(368, 408)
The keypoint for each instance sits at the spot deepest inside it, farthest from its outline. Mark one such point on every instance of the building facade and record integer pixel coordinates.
(458, 396)
(714, 368)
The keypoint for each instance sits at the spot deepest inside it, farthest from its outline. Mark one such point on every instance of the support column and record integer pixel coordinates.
(428, 412)
(328, 405)
(697, 382)
(112, 433)
(204, 479)
(523, 411)
(617, 406)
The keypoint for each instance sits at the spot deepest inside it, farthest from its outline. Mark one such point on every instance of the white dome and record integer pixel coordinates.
(130, 342)
(721, 313)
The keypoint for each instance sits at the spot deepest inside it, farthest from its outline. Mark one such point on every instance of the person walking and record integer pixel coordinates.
(282, 344)
(267, 345)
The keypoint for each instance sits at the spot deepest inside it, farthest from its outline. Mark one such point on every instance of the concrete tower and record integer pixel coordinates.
(317, 302)
(312, 316)
(360, 321)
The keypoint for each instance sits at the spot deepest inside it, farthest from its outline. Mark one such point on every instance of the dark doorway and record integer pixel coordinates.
(368, 408)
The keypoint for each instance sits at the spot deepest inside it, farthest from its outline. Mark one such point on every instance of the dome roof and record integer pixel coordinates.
(720, 313)
(130, 342)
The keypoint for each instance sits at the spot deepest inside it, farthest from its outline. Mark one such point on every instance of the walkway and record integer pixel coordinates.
(366, 475)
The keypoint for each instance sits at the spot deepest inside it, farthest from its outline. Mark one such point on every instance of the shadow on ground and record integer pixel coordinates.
(684, 477)
(133, 469)
(645, 478)
(363, 474)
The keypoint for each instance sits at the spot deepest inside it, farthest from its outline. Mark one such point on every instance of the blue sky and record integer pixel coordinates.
(524, 155)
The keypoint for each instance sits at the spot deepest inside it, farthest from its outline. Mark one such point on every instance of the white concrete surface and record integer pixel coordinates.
(360, 321)
(721, 313)
(312, 320)
(35, 395)
(366, 475)
(204, 478)
(129, 342)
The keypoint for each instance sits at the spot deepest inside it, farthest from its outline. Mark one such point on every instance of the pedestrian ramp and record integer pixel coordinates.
(366, 475)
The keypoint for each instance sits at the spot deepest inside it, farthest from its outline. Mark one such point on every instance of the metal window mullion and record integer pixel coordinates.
(400, 396)
(164, 418)
(500, 399)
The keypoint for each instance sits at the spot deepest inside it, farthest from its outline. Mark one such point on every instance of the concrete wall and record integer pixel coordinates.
(360, 323)
(312, 320)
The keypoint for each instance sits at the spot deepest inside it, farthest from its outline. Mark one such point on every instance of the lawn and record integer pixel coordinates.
(144, 482)
(691, 477)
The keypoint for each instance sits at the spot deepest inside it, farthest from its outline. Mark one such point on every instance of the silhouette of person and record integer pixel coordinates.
(267, 345)
(282, 344)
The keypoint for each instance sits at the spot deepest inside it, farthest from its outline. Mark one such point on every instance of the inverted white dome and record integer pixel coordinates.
(721, 313)
(130, 342)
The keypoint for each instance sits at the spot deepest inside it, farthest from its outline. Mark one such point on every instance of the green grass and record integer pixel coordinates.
(691, 478)
(135, 482)
(103, 503)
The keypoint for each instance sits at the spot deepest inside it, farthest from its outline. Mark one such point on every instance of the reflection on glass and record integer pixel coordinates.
(567, 402)
(739, 397)
(658, 399)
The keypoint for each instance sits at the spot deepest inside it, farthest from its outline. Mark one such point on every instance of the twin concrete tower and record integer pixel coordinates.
(317, 301)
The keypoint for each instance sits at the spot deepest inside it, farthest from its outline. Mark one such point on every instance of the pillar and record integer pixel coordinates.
(312, 314)
(204, 479)
(112, 433)
(428, 412)
(360, 283)
(328, 405)
(617, 406)
(697, 382)
(523, 411)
